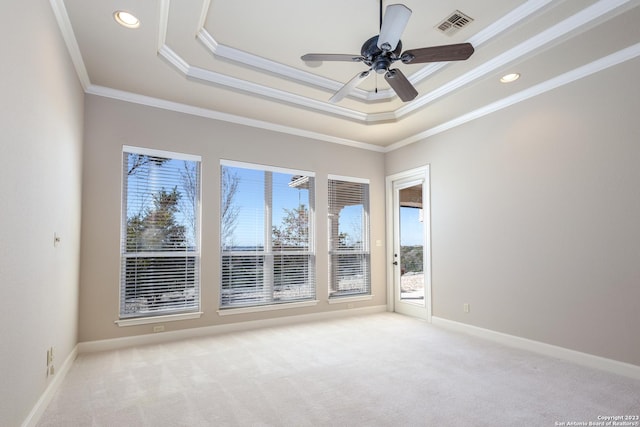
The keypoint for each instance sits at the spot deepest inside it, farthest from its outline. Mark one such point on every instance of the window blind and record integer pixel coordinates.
(160, 237)
(266, 229)
(349, 249)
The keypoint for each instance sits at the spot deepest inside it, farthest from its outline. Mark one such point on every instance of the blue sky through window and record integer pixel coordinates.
(411, 229)
(147, 180)
(249, 200)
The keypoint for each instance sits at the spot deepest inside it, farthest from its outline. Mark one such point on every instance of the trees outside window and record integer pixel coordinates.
(267, 251)
(160, 235)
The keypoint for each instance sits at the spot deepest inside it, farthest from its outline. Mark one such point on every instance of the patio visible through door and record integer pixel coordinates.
(411, 254)
(409, 232)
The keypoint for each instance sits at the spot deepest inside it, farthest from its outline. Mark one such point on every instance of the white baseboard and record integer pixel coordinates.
(42, 403)
(584, 359)
(163, 337)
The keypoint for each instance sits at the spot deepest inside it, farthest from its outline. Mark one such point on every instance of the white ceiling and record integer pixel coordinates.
(240, 60)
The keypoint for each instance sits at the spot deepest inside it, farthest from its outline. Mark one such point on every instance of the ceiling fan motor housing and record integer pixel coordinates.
(378, 59)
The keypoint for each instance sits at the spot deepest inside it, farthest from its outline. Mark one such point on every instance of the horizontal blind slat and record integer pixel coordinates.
(160, 233)
(349, 251)
(266, 235)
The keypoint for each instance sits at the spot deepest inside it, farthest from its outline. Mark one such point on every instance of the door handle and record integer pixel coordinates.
(395, 262)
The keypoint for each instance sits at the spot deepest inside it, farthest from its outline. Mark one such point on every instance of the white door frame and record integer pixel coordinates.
(420, 173)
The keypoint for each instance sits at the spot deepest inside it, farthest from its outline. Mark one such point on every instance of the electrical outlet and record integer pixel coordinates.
(159, 328)
(466, 307)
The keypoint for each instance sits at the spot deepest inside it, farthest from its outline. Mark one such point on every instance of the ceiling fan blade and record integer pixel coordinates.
(395, 20)
(450, 52)
(401, 85)
(331, 57)
(347, 88)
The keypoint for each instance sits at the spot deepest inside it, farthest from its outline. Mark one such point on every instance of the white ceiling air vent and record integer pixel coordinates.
(454, 23)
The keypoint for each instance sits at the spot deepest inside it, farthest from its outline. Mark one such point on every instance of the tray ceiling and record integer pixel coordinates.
(240, 60)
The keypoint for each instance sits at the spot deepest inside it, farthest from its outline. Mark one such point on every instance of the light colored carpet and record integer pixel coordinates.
(375, 370)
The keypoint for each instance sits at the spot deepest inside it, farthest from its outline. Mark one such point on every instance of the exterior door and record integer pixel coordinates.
(410, 256)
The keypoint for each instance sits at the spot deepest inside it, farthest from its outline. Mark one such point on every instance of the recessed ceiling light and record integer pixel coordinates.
(508, 78)
(126, 19)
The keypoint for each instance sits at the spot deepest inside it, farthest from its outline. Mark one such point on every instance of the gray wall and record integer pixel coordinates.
(536, 216)
(41, 116)
(110, 124)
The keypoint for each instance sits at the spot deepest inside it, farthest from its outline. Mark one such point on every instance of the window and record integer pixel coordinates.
(160, 233)
(349, 269)
(266, 229)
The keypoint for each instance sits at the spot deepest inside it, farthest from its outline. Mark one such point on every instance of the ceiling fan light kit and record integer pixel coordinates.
(381, 51)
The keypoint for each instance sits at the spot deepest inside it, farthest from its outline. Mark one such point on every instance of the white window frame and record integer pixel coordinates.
(161, 315)
(366, 243)
(268, 253)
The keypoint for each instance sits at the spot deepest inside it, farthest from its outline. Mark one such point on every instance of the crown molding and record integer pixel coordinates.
(272, 93)
(148, 101)
(614, 59)
(584, 17)
(62, 17)
(518, 14)
(601, 64)
(207, 76)
(542, 39)
(503, 24)
(174, 59)
(280, 70)
(304, 77)
(163, 23)
(212, 77)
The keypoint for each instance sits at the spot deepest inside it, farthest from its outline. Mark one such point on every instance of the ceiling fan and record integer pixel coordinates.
(380, 51)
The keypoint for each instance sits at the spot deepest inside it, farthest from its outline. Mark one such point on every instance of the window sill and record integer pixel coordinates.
(340, 300)
(158, 319)
(259, 308)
